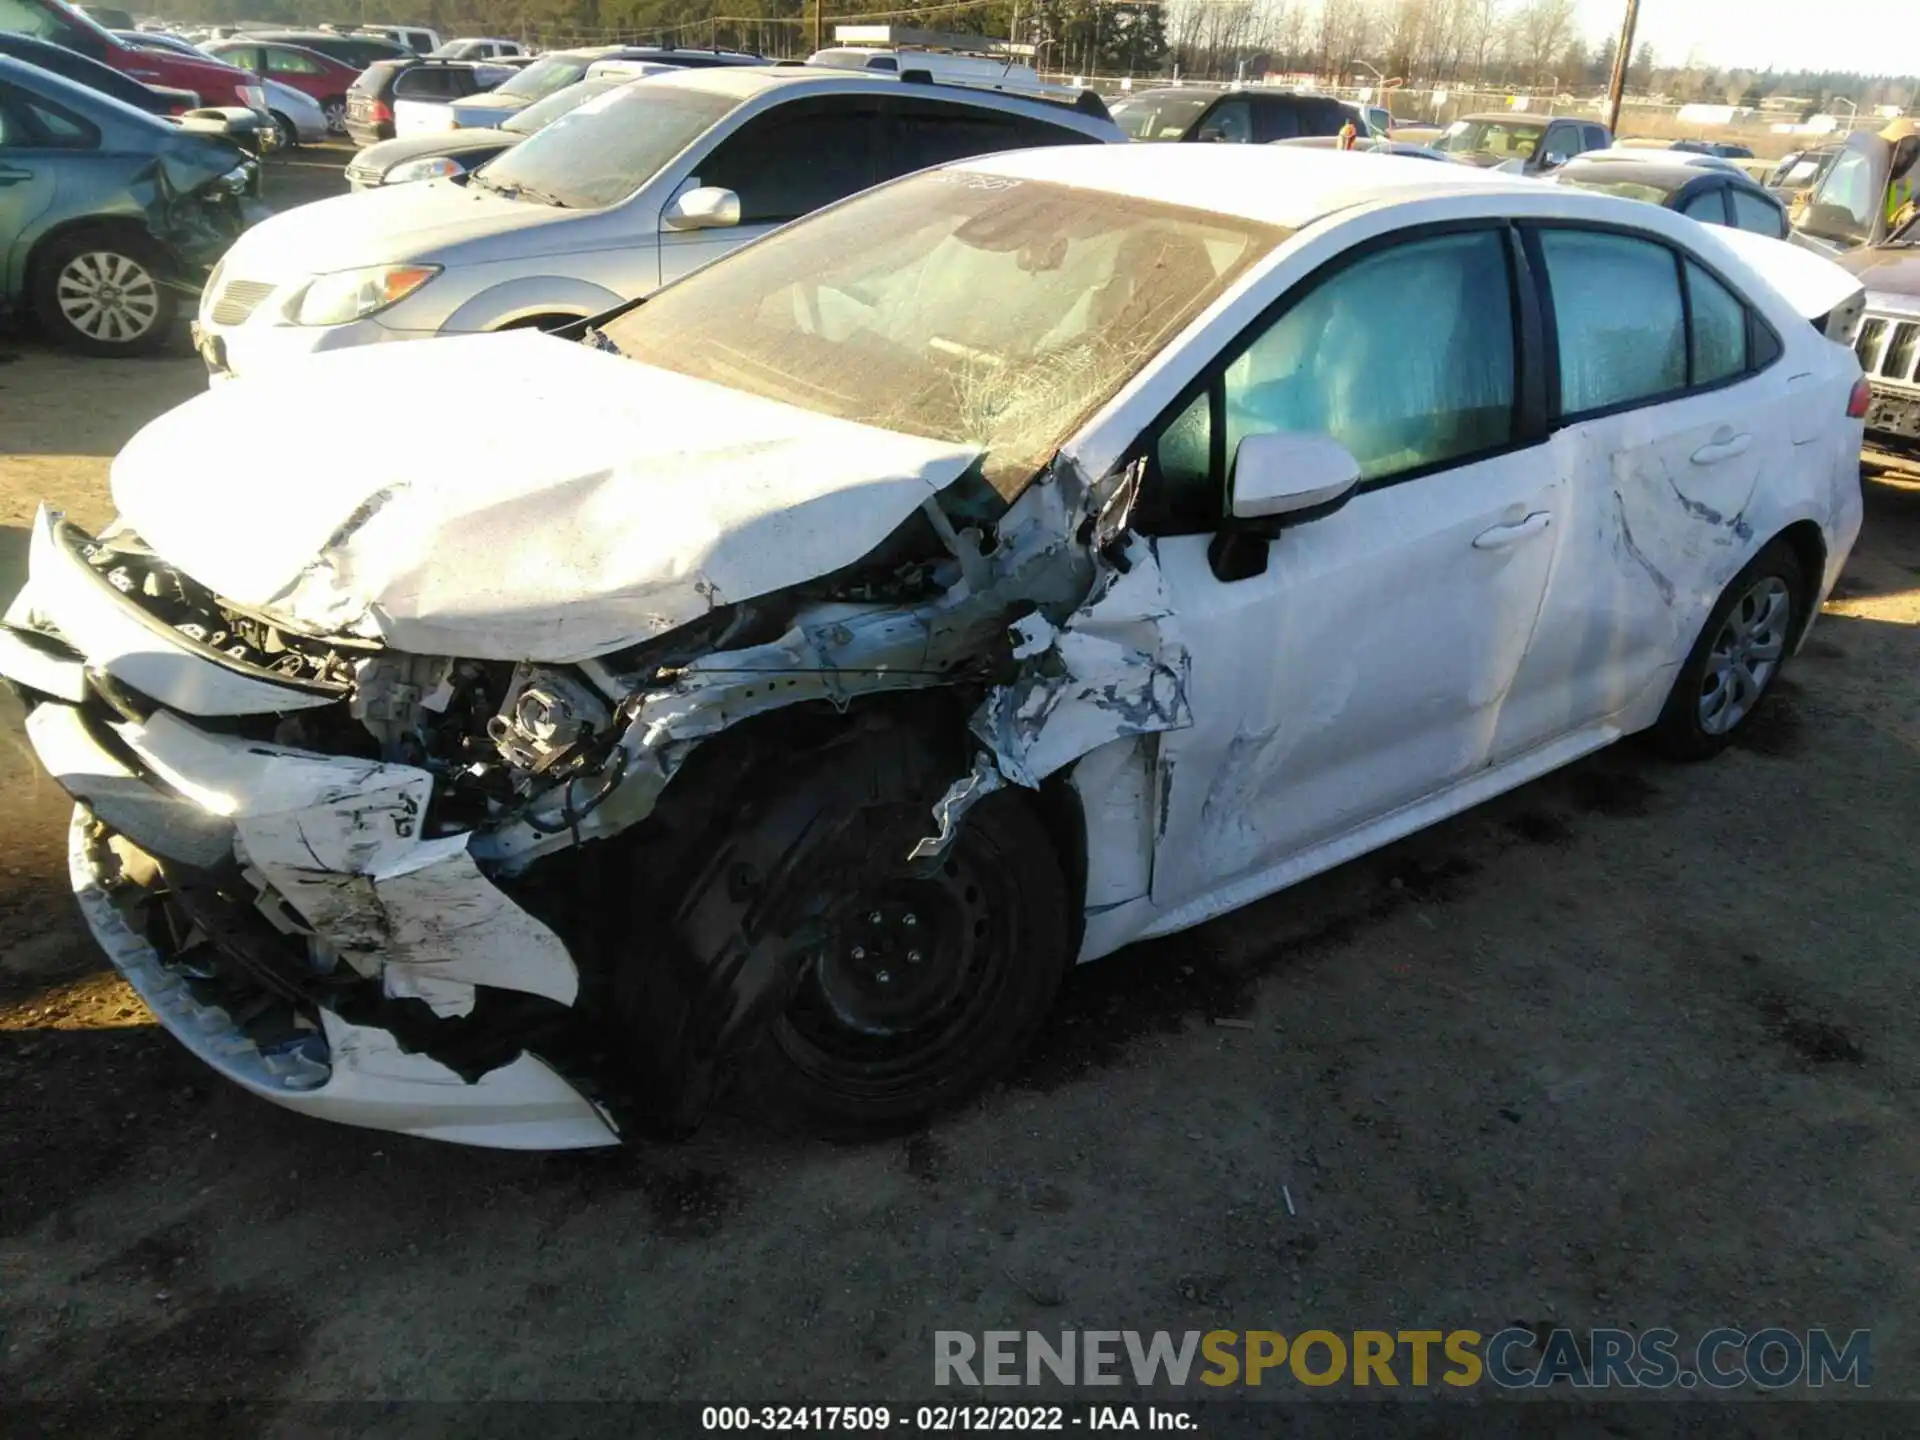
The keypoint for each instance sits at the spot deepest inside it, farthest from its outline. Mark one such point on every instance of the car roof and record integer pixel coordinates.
(743, 82)
(1290, 186)
(1508, 117)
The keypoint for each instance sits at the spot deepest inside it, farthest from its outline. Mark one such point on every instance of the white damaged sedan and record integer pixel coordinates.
(809, 663)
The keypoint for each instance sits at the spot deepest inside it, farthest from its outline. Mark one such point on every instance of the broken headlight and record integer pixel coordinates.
(353, 294)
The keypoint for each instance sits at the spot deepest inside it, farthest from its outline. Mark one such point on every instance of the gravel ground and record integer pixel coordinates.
(1635, 1045)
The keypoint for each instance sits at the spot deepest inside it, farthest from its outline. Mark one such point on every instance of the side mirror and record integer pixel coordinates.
(1279, 479)
(707, 208)
(1291, 473)
(1552, 160)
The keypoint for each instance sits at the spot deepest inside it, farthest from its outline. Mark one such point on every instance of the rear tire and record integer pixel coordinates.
(335, 109)
(289, 133)
(1737, 658)
(101, 292)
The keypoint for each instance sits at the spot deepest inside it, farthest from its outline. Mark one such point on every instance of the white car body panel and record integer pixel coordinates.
(1432, 643)
(642, 501)
(421, 117)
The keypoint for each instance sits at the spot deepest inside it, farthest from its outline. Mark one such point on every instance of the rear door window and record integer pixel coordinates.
(291, 62)
(1757, 213)
(932, 132)
(1621, 326)
(1709, 207)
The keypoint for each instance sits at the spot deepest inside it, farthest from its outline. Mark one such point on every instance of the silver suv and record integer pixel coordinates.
(629, 191)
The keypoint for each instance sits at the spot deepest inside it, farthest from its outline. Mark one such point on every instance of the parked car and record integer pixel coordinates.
(371, 116)
(424, 95)
(1867, 193)
(1530, 145)
(1887, 340)
(1705, 193)
(478, 48)
(325, 79)
(109, 214)
(72, 65)
(559, 68)
(1720, 149)
(297, 117)
(1368, 147)
(417, 38)
(1195, 113)
(1798, 173)
(215, 83)
(359, 51)
(983, 67)
(598, 207)
(455, 152)
(823, 661)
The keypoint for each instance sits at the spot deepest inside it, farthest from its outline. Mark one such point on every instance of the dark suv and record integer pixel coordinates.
(1245, 117)
(370, 100)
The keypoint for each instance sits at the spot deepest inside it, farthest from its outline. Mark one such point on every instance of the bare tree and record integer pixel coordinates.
(1541, 32)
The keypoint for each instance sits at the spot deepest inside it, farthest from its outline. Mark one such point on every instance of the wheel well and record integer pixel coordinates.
(1810, 549)
(536, 322)
(1065, 821)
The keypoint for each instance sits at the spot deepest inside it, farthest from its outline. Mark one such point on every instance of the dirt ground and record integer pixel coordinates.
(1635, 1045)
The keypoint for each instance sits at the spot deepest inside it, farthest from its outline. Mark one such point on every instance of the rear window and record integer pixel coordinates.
(1318, 117)
(607, 148)
(377, 79)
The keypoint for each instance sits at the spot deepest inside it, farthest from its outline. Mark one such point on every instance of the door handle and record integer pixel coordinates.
(11, 176)
(1715, 451)
(1502, 537)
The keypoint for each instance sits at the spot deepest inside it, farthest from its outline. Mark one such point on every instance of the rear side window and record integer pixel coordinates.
(1622, 327)
(1627, 332)
(1757, 213)
(932, 133)
(377, 80)
(1709, 207)
(796, 158)
(1719, 341)
(1596, 137)
(291, 62)
(430, 82)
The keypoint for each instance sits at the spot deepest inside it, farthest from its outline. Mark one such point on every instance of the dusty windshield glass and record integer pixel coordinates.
(543, 113)
(543, 77)
(959, 306)
(607, 148)
(1159, 117)
(1490, 137)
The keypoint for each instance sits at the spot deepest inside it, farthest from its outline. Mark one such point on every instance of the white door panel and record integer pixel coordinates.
(1367, 668)
(1655, 527)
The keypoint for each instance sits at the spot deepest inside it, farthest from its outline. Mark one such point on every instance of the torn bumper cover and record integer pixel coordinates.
(282, 912)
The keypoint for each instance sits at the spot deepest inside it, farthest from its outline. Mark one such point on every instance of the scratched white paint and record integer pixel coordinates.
(578, 503)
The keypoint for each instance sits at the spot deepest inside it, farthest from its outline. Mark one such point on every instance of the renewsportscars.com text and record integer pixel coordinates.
(1514, 1358)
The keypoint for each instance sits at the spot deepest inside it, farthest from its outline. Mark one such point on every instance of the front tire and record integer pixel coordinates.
(790, 945)
(102, 293)
(1735, 662)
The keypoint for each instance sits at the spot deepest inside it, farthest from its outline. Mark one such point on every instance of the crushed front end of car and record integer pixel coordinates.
(442, 893)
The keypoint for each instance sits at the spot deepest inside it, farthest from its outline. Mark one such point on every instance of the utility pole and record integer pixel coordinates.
(818, 6)
(1622, 62)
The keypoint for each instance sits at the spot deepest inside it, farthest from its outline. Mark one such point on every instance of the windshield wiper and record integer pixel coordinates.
(519, 192)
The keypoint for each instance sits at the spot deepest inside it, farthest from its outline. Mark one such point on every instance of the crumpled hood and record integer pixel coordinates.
(381, 226)
(511, 496)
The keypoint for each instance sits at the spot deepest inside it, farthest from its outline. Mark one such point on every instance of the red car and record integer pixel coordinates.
(214, 82)
(327, 80)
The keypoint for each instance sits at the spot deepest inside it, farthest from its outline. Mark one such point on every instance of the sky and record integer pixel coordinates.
(1870, 36)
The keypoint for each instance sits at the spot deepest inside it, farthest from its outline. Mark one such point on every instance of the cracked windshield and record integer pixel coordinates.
(965, 307)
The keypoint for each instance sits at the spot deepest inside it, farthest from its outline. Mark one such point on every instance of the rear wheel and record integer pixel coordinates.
(101, 292)
(336, 112)
(287, 135)
(1737, 658)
